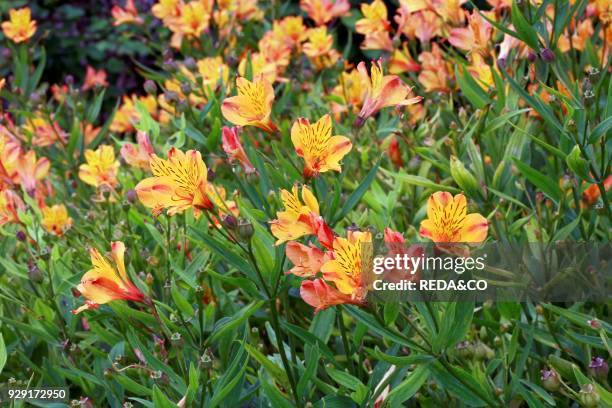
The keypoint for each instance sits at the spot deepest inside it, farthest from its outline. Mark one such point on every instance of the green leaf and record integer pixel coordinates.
(600, 130)
(179, 300)
(160, 400)
(420, 181)
(133, 386)
(408, 387)
(3, 356)
(470, 88)
(345, 379)
(539, 180)
(524, 30)
(356, 195)
(272, 368)
(578, 165)
(228, 323)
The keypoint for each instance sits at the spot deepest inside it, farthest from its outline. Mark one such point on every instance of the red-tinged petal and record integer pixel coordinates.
(475, 229)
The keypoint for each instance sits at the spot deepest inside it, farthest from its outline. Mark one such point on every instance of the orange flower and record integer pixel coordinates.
(299, 217)
(195, 18)
(10, 205)
(127, 115)
(307, 259)
(126, 15)
(20, 26)
(351, 91)
(448, 221)
(378, 40)
(31, 171)
(324, 11)
(315, 144)
(320, 295)
(2, 82)
(382, 91)
(94, 79)
(394, 152)
(44, 133)
(105, 282)
(260, 66)
(167, 9)
(436, 72)
(213, 71)
(101, 168)
(234, 150)
(592, 192)
(350, 267)
(138, 156)
(374, 18)
(290, 29)
(401, 61)
(252, 106)
(319, 48)
(179, 183)
(55, 219)
(475, 37)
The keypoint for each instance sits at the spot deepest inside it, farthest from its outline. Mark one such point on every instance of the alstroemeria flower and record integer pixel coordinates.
(105, 283)
(351, 91)
(315, 144)
(374, 18)
(94, 79)
(448, 221)
(324, 11)
(382, 91)
(435, 70)
(473, 38)
(307, 260)
(401, 61)
(43, 132)
(298, 218)
(213, 70)
(20, 26)
(195, 18)
(178, 184)
(2, 82)
(56, 220)
(396, 245)
(252, 106)
(320, 48)
(352, 264)
(10, 204)
(592, 192)
(100, 168)
(318, 294)
(126, 15)
(31, 171)
(234, 150)
(127, 115)
(138, 155)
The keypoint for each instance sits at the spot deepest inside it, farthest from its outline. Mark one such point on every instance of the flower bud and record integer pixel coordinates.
(547, 55)
(182, 106)
(34, 273)
(21, 236)
(211, 175)
(599, 368)
(170, 65)
(230, 222)
(531, 56)
(190, 63)
(69, 80)
(131, 196)
(462, 176)
(245, 229)
(186, 88)
(550, 380)
(588, 396)
(150, 87)
(171, 96)
(465, 349)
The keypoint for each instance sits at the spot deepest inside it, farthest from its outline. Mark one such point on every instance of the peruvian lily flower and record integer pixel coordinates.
(315, 144)
(56, 220)
(126, 15)
(234, 150)
(374, 18)
(299, 218)
(20, 26)
(448, 221)
(138, 155)
(318, 294)
(382, 91)
(10, 205)
(307, 259)
(94, 79)
(352, 263)
(324, 11)
(105, 283)
(100, 168)
(31, 171)
(252, 106)
(178, 184)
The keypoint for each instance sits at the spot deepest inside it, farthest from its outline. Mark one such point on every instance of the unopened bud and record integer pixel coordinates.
(230, 222)
(34, 273)
(531, 56)
(185, 88)
(599, 368)
(547, 55)
(550, 380)
(170, 65)
(190, 63)
(210, 175)
(245, 229)
(150, 87)
(589, 398)
(21, 236)
(131, 196)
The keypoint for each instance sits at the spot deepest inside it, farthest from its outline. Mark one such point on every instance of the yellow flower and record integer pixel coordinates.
(323, 11)
(374, 18)
(10, 205)
(213, 71)
(252, 106)
(319, 48)
(260, 66)
(126, 15)
(195, 17)
(178, 184)
(351, 264)
(20, 27)
(55, 219)
(101, 168)
(105, 283)
(351, 90)
(127, 115)
(448, 221)
(299, 217)
(44, 132)
(31, 171)
(382, 91)
(321, 151)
